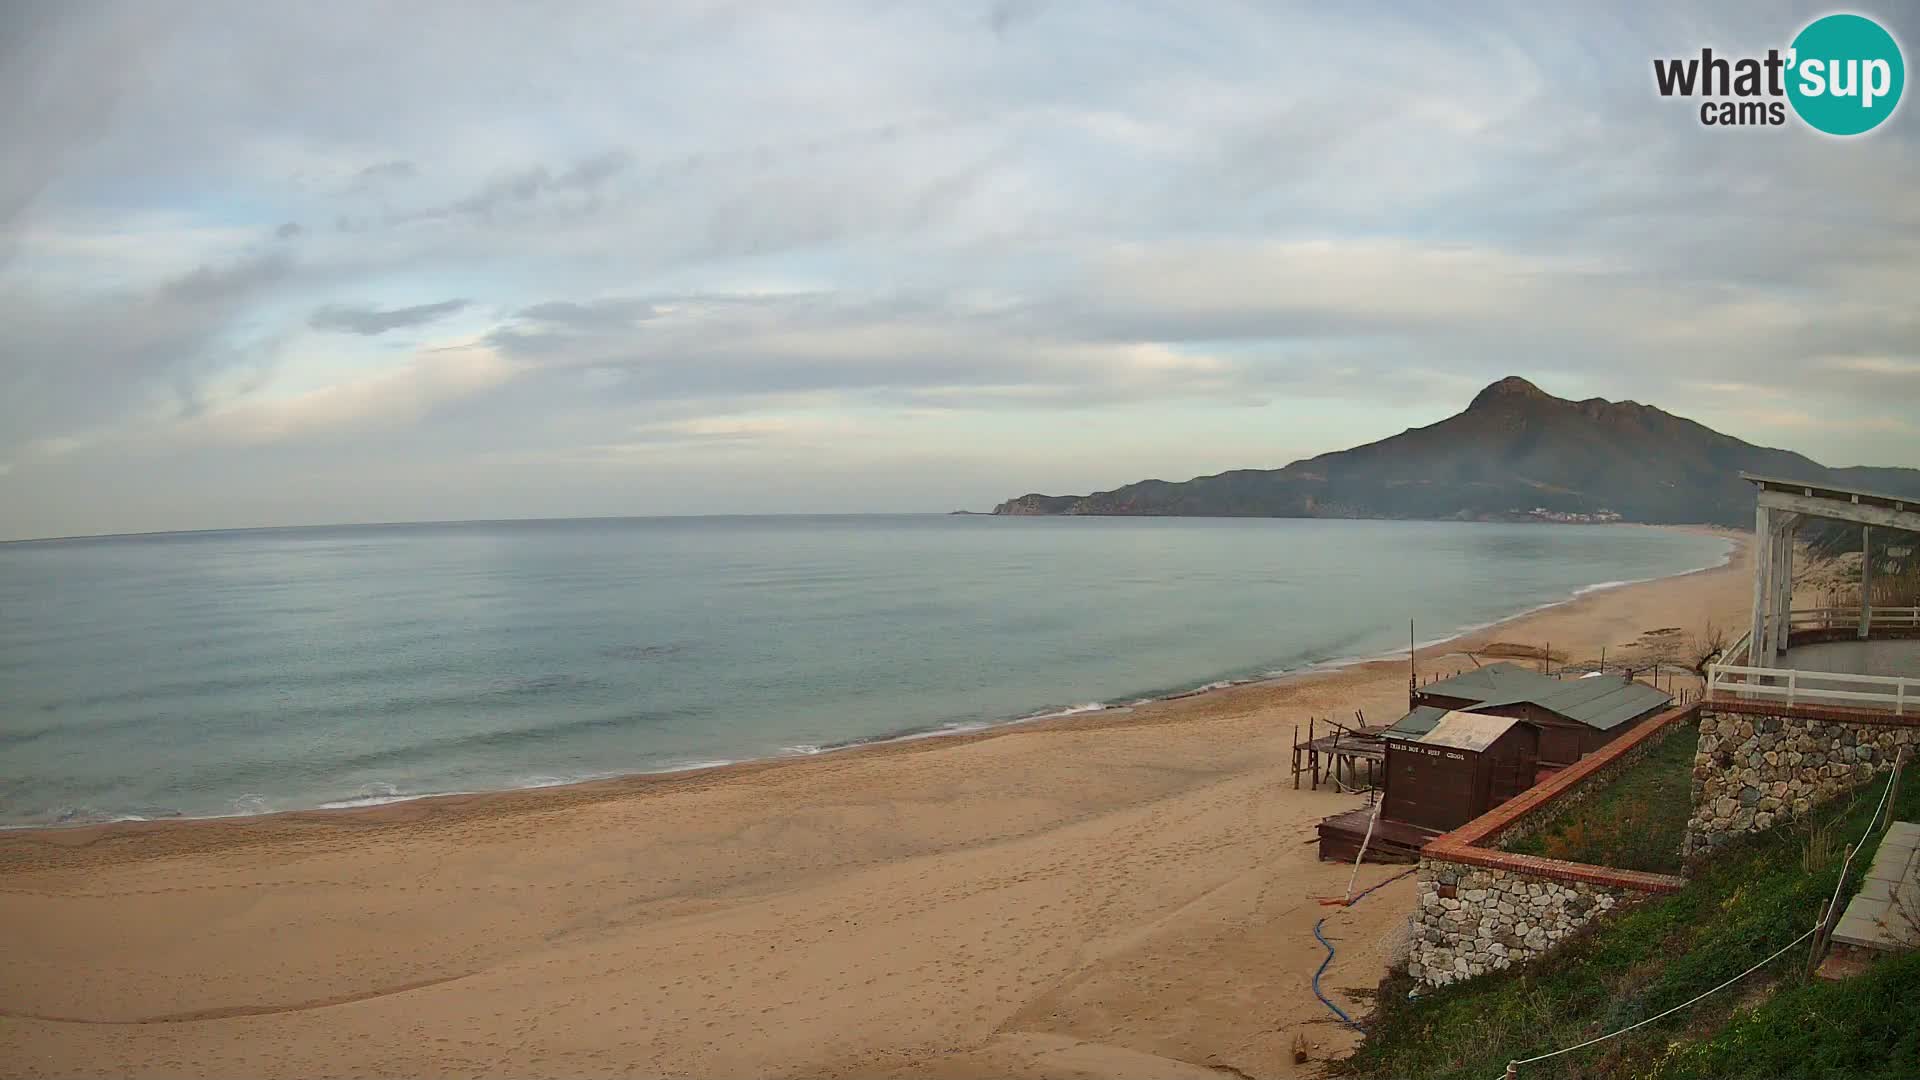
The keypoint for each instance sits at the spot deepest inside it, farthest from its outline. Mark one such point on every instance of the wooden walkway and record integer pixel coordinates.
(1393, 841)
(1876, 917)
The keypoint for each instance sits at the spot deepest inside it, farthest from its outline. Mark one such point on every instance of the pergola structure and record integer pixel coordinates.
(1780, 507)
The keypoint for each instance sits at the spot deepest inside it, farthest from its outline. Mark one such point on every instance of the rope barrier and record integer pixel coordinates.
(1872, 822)
(1516, 1063)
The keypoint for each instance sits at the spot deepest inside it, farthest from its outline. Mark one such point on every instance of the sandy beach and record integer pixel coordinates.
(1118, 894)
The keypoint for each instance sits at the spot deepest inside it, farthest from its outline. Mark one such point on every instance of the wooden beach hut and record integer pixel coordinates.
(1445, 768)
(1574, 716)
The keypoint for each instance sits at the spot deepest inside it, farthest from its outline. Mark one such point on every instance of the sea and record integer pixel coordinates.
(243, 672)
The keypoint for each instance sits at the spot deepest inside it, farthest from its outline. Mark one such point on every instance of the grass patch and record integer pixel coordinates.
(1751, 899)
(1636, 822)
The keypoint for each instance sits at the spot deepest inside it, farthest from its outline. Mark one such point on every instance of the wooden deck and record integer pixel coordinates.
(1353, 757)
(1393, 841)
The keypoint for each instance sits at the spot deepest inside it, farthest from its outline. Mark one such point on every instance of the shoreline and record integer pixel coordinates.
(626, 781)
(1131, 893)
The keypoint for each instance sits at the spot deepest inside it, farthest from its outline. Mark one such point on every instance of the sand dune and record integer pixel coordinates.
(1114, 894)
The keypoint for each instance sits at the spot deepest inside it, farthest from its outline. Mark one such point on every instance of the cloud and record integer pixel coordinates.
(1004, 15)
(593, 314)
(73, 367)
(1874, 365)
(213, 284)
(901, 349)
(410, 392)
(386, 171)
(361, 319)
(1129, 225)
(57, 107)
(595, 170)
(523, 188)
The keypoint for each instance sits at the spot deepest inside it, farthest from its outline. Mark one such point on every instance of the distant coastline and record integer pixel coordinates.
(1516, 452)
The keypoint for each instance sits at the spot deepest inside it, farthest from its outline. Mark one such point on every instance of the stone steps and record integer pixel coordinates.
(1885, 914)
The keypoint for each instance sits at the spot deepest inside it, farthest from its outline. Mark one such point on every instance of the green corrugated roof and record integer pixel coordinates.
(1416, 723)
(1603, 702)
(1493, 681)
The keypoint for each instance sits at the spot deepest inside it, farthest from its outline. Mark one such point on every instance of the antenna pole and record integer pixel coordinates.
(1413, 676)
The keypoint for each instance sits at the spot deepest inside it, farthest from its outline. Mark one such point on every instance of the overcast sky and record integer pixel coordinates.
(267, 263)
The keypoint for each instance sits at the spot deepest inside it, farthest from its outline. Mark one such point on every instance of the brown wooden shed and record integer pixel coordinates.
(1575, 716)
(1464, 766)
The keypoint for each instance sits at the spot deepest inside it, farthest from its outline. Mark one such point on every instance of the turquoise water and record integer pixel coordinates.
(242, 672)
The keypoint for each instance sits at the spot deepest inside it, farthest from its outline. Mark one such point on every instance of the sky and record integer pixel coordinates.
(269, 264)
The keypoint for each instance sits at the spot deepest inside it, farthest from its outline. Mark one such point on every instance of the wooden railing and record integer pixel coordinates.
(1831, 618)
(1808, 687)
(1736, 653)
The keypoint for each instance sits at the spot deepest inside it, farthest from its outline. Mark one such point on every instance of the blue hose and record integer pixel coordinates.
(1344, 1018)
(1337, 1011)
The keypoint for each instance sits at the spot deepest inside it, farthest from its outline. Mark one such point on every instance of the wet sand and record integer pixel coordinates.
(1125, 894)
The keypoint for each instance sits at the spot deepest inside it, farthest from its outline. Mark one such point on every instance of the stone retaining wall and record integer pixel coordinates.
(1472, 920)
(1759, 764)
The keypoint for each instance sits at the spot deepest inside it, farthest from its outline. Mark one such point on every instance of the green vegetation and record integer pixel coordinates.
(1634, 823)
(1748, 901)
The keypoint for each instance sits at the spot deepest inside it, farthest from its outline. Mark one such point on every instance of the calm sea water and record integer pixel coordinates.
(242, 672)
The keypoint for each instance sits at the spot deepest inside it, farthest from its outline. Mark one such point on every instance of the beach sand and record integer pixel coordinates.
(1116, 894)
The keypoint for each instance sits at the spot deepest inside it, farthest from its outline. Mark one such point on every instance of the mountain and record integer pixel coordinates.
(1515, 449)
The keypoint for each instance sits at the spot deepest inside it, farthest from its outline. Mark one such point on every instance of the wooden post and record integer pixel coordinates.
(1296, 757)
(1829, 918)
(1313, 755)
(1866, 580)
(1336, 756)
(1893, 785)
(1819, 949)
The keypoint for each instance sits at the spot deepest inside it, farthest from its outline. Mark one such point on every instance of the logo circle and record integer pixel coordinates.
(1846, 74)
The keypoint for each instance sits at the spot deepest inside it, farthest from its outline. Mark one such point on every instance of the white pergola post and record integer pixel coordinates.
(1758, 653)
(1783, 611)
(1866, 580)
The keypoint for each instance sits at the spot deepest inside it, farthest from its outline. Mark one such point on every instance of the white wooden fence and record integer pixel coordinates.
(1814, 687)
